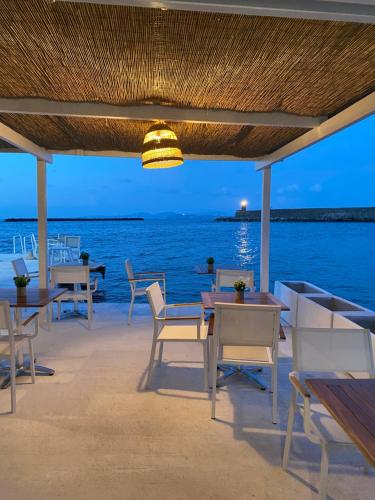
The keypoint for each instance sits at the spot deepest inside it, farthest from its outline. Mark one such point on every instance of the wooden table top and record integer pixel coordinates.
(352, 404)
(35, 297)
(259, 298)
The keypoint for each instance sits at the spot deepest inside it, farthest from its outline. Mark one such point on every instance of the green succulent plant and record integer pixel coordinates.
(21, 281)
(239, 285)
(210, 260)
(84, 256)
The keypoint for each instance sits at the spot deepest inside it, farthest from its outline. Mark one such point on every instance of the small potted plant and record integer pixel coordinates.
(85, 258)
(210, 265)
(21, 283)
(239, 286)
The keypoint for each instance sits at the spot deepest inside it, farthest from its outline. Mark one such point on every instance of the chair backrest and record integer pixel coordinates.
(155, 298)
(246, 324)
(19, 267)
(129, 269)
(58, 254)
(70, 275)
(5, 317)
(332, 349)
(74, 244)
(225, 278)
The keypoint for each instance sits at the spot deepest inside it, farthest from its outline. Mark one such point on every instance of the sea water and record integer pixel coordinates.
(339, 257)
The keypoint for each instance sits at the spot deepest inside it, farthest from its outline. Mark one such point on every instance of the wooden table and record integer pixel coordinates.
(351, 402)
(36, 298)
(259, 298)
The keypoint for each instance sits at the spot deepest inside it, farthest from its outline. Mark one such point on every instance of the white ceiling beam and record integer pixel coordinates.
(352, 114)
(17, 140)
(36, 106)
(330, 10)
(124, 154)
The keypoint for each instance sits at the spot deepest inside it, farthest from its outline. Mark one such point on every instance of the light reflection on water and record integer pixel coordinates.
(245, 246)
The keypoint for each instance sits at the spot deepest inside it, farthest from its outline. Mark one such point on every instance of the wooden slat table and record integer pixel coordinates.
(34, 298)
(260, 298)
(351, 402)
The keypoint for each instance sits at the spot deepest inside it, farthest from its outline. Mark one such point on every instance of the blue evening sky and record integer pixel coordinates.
(339, 171)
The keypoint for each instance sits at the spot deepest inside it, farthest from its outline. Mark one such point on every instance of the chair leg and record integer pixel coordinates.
(13, 383)
(213, 365)
(50, 312)
(151, 363)
(160, 352)
(32, 363)
(89, 313)
(323, 472)
(131, 309)
(289, 432)
(205, 365)
(59, 309)
(274, 393)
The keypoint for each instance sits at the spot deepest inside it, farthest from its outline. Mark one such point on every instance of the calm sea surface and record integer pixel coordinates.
(339, 257)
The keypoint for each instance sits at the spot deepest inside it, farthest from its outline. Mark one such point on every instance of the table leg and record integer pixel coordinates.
(247, 371)
(24, 368)
(22, 371)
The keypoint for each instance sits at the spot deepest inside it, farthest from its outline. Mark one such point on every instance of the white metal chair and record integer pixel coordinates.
(59, 254)
(175, 328)
(322, 353)
(245, 334)
(225, 278)
(74, 244)
(73, 276)
(145, 278)
(20, 269)
(11, 340)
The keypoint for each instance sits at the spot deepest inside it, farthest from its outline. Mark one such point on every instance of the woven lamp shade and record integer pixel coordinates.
(161, 148)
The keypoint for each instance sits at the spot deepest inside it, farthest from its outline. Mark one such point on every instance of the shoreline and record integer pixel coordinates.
(72, 219)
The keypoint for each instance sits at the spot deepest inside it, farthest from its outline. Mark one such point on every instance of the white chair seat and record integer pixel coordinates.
(182, 333)
(245, 354)
(72, 295)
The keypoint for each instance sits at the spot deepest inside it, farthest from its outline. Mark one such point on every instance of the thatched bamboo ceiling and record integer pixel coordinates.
(127, 55)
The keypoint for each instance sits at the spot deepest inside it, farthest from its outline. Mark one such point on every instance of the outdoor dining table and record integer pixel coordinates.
(259, 298)
(351, 402)
(33, 298)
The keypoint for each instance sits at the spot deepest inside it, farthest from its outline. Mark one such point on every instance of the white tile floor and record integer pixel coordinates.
(92, 432)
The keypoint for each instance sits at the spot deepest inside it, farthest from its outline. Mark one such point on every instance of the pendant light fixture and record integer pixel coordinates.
(161, 148)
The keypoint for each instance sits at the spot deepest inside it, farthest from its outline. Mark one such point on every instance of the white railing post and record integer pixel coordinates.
(42, 222)
(265, 230)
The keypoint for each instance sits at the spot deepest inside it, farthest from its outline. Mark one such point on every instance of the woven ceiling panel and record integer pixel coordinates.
(100, 134)
(114, 54)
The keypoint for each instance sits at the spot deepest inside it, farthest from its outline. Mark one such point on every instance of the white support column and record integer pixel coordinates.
(265, 230)
(42, 221)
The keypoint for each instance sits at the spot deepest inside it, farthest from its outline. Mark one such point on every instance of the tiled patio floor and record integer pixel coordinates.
(92, 432)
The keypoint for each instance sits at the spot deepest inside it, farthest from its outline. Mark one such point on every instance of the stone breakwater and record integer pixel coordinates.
(362, 214)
